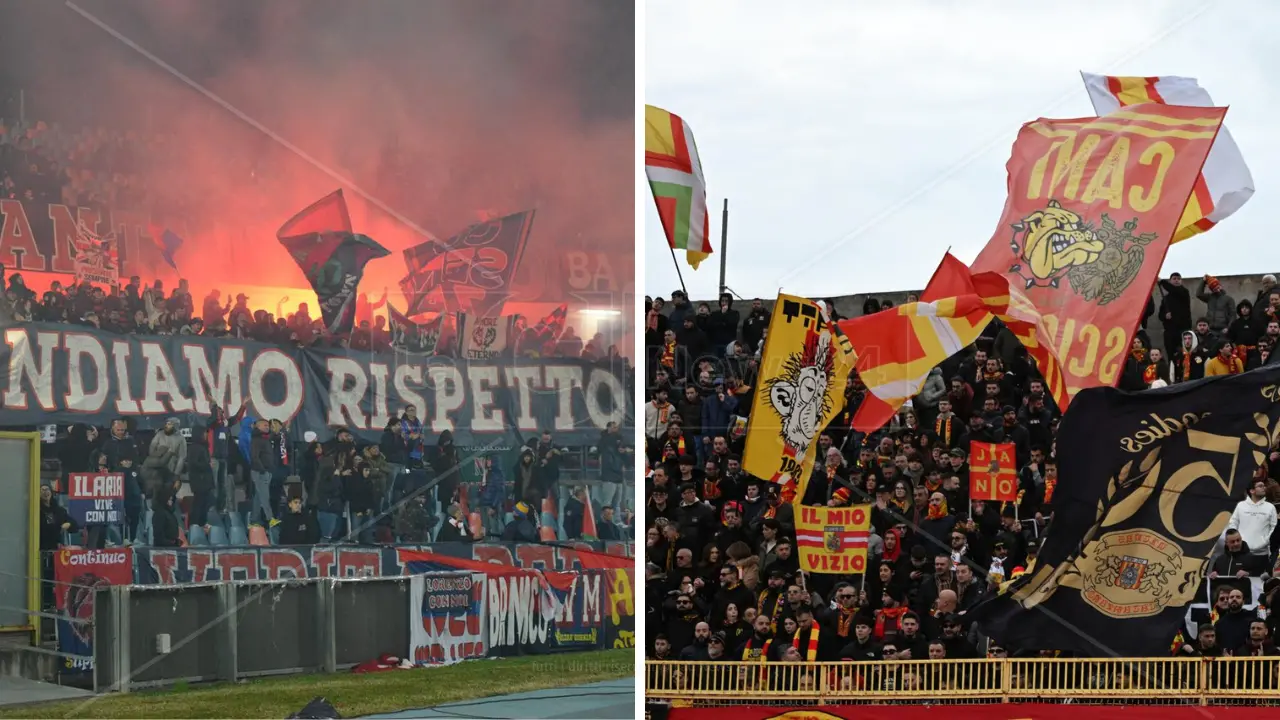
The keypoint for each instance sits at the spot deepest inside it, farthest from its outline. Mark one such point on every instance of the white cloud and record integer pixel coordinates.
(814, 118)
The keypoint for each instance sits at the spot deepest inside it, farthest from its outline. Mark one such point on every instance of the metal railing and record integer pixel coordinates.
(1180, 681)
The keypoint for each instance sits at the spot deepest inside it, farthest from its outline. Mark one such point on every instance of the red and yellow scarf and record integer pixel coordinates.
(677, 445)
(751, 653)
(668, 358)
(942, 428)
(937, 512)
(844, 621)
(1049, 485)
(810, 653)
(1233, 365)
(777, 607)
(1150, 373)
(894, 616)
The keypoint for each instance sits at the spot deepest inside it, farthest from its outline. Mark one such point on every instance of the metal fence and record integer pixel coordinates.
(1171, 681)
(149, 635)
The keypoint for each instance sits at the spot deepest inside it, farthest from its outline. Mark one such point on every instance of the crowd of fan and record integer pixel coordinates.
(723, 574)
(207, 484)
(137, 309)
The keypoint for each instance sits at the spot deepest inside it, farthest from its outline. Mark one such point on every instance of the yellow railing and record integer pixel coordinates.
(1161, 680)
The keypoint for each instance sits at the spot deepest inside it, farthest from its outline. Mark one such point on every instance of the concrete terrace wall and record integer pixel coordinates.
(1239, 287)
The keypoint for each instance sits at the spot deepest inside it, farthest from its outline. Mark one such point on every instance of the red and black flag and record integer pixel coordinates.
(332, 255)
(470, 272)
(554, 322)
(414, 337)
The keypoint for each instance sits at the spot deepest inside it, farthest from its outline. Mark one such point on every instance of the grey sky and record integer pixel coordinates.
(815, 121)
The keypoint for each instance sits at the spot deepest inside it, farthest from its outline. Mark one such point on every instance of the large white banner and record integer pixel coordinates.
(447, 618)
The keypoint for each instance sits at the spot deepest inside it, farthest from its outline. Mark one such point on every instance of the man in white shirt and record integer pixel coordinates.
(1255, 518)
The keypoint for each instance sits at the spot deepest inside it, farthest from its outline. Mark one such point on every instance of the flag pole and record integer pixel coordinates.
(678, 273)
(724, 243)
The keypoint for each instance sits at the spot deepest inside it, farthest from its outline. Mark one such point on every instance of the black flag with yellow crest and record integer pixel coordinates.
(1149, 481)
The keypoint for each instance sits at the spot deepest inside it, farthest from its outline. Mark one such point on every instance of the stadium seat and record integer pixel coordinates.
(258, 535)
(547, 534)
(196, 536)
(239, 536)
(218, 536)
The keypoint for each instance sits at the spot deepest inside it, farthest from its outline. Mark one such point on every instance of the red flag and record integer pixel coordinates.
(326, 215)
(588, 515)
(993, 473)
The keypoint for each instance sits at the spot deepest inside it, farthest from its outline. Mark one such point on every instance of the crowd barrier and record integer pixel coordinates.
(154, 635)
(1137, 681)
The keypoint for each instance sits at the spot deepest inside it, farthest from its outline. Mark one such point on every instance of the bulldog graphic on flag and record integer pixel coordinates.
(1093, 206)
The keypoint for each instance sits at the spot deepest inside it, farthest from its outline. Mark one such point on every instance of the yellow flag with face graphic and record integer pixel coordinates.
(803, 372)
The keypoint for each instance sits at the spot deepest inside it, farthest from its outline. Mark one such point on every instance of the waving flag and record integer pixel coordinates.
(675, 176)
(897, 348)
(414, 337)
(168, 242)
(1093, 204)
(953, 278)
(470, 272)
(554, 322)
(321, 241)
(803, 372)
(1225, 183)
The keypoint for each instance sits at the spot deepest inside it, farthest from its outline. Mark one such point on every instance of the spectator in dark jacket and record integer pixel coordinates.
(396, 452)
(300, 525)
(54, 520)
(164, 520)
(722, 326)
(521, 528)
(334, 467)
(717, 408)
(1175, 312)
(455, 527)
(200, 477)
(493, 496)
(575, 508)
(1237, 560)
(525, 477)
(445, 463)
(262, 461)
(413, 521)
(361, 497)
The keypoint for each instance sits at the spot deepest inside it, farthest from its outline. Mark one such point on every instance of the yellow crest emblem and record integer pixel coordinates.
(1054, 242)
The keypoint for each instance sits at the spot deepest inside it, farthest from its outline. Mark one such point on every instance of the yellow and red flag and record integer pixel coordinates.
(1093, 205)
(993, 471)
(674, 171)
(1010, 306)
(898, 347)
(803, 372)
(833, 539)
(1224, 185)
